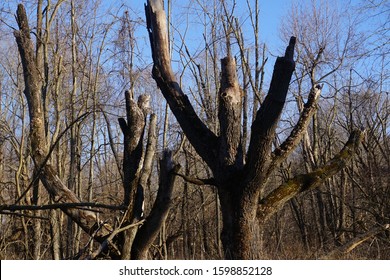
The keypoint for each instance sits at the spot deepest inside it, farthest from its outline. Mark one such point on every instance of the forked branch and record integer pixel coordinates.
(266, 121)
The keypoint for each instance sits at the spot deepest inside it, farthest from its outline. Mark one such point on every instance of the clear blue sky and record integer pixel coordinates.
(272, 13)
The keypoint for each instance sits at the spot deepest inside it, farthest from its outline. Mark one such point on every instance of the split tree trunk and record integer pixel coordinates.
(133, 131)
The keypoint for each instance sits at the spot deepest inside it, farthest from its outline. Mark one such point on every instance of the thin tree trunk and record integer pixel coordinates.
(55, 234)
(37, 228)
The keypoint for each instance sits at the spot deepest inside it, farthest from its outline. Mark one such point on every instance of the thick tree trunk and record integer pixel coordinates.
(238, 216)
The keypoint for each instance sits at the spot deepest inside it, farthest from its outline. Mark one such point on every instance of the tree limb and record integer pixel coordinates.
(282, 152)
(266, 121)
(354, 242)
(109, 241)
(112, 145)
(304, 182)
(202, 138)
(197, 181)
(229, 116)
(148, 232)
(79, 205)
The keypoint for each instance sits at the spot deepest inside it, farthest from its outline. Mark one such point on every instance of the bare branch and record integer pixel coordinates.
(264, 126)
(304, 182)
(229, 115)
(296, 134)
(112, 145)
(202, 138)
(197, 181)
(80, 205)
(148, 232)
(109, 241)
(354, 242)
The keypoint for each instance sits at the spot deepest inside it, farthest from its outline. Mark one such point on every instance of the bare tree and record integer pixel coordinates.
(241, 186)
(83, 185)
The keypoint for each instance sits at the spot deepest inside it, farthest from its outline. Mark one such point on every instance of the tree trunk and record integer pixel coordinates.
(238, 216)
(133, 132)
(55, 234)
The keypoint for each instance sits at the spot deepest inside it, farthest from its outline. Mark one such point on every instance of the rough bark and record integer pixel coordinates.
(291, 142)
(133, 131)
(230, 109)
(202, 138)
(304, 182)
(265, 123)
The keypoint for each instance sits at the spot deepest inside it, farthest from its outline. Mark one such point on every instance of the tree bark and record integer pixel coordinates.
(230, 111)
(304, 182)
(202, 138)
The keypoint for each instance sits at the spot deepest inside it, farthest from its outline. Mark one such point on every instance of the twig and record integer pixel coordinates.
(108, 241)
(60, 206)
(22, 215)
(197, 181)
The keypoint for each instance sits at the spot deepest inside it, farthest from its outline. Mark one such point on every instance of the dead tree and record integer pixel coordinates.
(241, 183)
(133, 131)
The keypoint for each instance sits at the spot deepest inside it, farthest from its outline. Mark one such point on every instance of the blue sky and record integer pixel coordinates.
(271, 12)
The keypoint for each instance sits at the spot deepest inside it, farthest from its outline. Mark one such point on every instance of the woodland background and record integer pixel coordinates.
(92, 52)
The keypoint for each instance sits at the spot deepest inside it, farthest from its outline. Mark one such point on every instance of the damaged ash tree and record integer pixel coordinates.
(241, 179)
